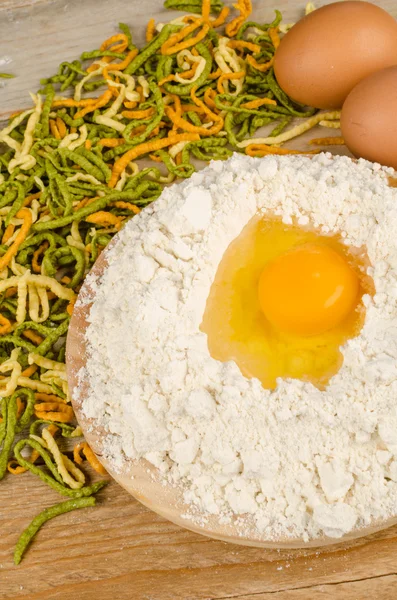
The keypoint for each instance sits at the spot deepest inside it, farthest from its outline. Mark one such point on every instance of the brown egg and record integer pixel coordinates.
(329, 51)
(368, 122)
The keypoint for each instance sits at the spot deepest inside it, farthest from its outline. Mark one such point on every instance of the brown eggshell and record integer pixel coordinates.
(329, 51)
(369, 118)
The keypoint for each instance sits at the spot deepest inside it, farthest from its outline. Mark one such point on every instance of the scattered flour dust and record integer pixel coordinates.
(295, 461)
(4, 61)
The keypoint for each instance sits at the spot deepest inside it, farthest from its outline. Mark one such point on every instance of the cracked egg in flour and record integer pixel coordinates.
(284, 300)
(242, 339)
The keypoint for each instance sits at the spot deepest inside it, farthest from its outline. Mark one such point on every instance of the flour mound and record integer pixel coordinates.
(293, 462)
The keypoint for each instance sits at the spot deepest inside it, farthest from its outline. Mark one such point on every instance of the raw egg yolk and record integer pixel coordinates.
(308, 290)
(284, 301)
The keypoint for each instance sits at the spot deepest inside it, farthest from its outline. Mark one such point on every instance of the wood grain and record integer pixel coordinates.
(120, 549)
(124, 551)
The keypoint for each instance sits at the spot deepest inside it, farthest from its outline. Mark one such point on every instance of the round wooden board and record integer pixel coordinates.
(141, 478)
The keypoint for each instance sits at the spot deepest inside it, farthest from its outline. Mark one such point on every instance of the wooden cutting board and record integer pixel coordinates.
(120, 549)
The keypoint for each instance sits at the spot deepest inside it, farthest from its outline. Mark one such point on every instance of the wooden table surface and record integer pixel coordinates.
(120, 549)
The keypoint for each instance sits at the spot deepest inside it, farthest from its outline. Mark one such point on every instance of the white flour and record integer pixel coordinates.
(295, 461)
(4, 60)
